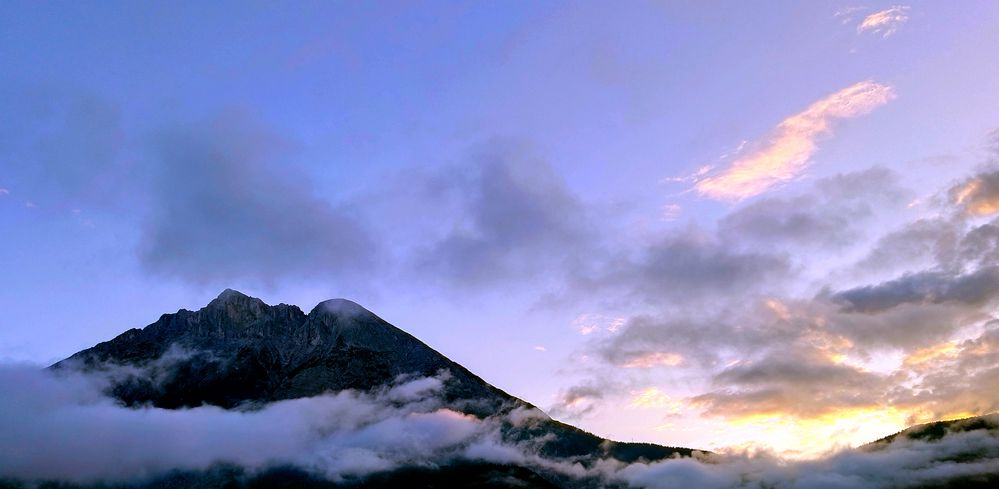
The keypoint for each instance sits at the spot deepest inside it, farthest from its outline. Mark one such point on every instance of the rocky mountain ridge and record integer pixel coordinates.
(238, 352)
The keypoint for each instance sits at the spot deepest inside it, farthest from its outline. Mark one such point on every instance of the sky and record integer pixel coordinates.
(768, 225)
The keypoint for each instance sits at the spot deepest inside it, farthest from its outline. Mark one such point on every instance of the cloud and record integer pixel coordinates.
(829, 215)
(61, 427)
(759, 350)
(885, 22)
(801, 382)
(925, 242)
(517, 220)
(978, 195)
(954, 377)
(576, 401)
(787, 151)
(974, 288)
(227, 204)
(688, 266)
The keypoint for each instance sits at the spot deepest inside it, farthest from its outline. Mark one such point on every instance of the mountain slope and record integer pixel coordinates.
(240, 353)
(238, 350)
(938, 429)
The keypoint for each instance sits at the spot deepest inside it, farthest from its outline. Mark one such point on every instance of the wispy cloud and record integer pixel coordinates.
(786, 153)
(885, 22)
(670, 212)
(847, 13)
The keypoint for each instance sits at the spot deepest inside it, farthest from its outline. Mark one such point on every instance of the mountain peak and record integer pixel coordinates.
(239, 307)
(341, 307)
(230, 295)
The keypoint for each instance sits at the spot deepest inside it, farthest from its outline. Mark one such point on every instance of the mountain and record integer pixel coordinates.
(936, 430)
(239, 350)
(965, 452)
(240, 353)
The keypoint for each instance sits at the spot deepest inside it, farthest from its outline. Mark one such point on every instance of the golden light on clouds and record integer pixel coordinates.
(653, 398)
(657, 359)
(795, 437)
(930, 354)
(787, 151)
(779, 309)
(978, 196)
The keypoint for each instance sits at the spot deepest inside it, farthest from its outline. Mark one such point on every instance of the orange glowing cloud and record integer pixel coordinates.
(978, 196)
(786, 153)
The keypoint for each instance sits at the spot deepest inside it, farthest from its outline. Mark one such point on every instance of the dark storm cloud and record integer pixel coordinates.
(929, 287)
(228, 203)
(516, 220)
(830, 214)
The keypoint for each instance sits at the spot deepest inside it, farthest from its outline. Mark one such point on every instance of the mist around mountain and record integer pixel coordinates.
(241, 394)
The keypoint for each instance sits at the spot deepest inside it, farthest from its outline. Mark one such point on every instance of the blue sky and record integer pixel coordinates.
(498, 178)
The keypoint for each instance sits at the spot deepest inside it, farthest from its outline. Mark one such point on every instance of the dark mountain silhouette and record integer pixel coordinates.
(238, 352)
(938, 429)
